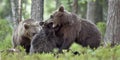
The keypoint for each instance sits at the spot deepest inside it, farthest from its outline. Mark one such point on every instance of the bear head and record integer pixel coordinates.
(29, 28)
(47, 28)
(61, 17)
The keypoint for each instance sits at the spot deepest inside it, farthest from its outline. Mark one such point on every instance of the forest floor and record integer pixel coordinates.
(101, 53)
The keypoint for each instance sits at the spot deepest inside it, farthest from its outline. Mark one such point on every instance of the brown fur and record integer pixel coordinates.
(23, 34)
(44, 41)
(74, 29)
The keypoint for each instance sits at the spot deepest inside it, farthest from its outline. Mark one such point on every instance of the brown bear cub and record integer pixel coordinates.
(74, 29)
(24, 33)
(45, 40)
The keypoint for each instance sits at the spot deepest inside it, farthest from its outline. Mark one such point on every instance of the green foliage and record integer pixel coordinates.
(102, 53)
(49, 7)
(83, 8)
(5, 29)
(102, 27)
(26, 6)
(6, 43)
(5, 8)
(5, 34)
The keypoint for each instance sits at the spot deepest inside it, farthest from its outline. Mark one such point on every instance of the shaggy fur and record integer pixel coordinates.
(24, 33)
(74, 29)
(44, 41)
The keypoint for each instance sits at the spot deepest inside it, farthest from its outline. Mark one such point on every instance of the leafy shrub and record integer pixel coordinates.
(5, 34)
(6, 43)
(4, 29)
(102, 53)
(102, 27)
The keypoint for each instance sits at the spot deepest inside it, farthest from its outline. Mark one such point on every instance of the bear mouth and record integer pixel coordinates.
(57, 28)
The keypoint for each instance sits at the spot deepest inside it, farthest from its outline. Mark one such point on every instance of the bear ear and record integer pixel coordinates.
(41, 23)
(26, 26)
(61, 9)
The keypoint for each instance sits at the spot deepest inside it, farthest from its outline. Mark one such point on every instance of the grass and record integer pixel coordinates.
(102, 53)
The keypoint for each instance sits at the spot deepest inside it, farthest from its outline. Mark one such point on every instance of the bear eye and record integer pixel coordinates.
(49, 25)
(33, 34)
(41, 23)
(51, 16)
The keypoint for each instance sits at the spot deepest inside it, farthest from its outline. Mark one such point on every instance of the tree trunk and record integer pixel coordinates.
(91, 11)
(16, 11)
(58, 3)
(112, 35)
(99, 11)
(95, 11)
(75, 7)
(105, 9)
(37, 10)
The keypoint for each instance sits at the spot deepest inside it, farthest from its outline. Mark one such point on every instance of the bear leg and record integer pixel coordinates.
(65, 45)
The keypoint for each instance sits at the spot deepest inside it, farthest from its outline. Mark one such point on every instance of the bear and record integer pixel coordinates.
(71, 28)
(24, 33)
(45, 41)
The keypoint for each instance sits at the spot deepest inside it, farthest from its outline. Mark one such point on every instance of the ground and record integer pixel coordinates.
(102, 53)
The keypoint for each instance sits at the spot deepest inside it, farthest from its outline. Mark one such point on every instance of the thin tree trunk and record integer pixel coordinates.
(105, 9)
(37, 10)
(112, 35)
(20, 10)
(75, 6)
(58, 3)
(91, 11)
(16, 11)
(99, 11)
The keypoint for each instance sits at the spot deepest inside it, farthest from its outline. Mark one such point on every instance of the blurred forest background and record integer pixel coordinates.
(94, 10)
(104, 13)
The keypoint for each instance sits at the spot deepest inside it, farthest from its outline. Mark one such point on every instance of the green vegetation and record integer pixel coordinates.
(102, 27)
(5, 34)
(102, 53)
